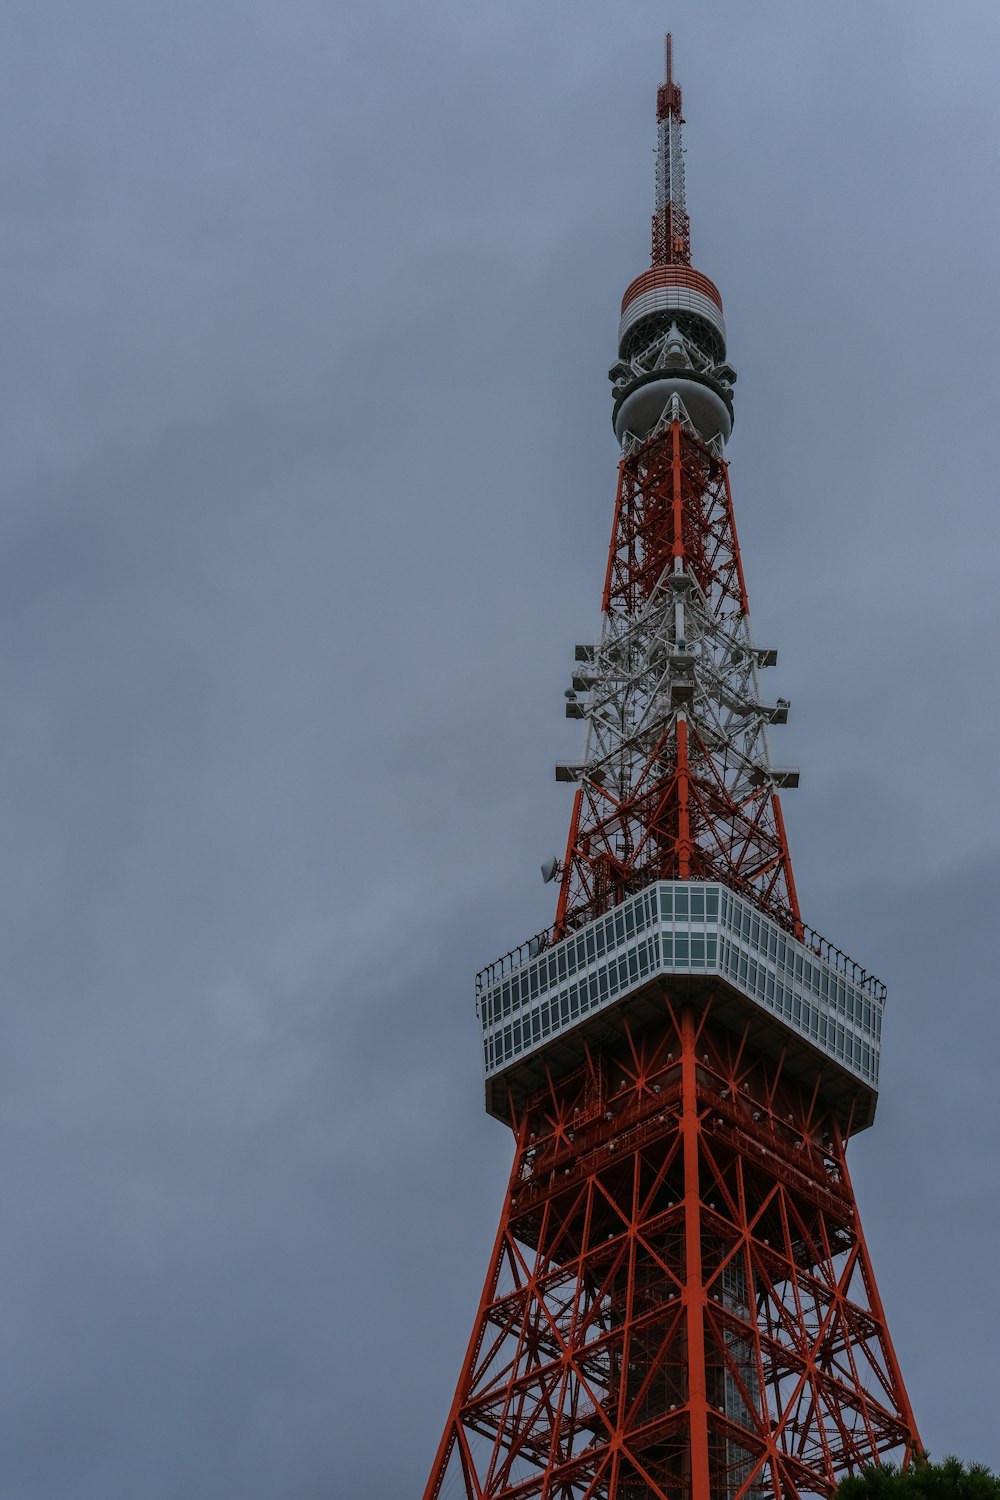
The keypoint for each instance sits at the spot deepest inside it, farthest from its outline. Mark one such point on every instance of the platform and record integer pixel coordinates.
(697, 940)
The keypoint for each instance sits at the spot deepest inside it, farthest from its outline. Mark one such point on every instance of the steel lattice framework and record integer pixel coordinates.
(680, 1300)
(680, 1304)
(671, 225)
(676, 780)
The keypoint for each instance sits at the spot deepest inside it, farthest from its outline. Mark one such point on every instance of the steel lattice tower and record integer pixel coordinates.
(680, 1304)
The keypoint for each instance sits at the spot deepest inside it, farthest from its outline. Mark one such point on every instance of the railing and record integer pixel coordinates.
(821, 946)
(544, 989)
(501, 967)
(839, 960)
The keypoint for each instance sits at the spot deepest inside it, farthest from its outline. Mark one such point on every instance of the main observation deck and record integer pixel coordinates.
(696, 941)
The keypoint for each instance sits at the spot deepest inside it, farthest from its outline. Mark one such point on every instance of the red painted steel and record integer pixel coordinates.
(668, 95)
(685, 814)
(680, 1304)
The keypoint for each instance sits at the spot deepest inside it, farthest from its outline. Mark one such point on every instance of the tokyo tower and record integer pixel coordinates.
(679, 1304)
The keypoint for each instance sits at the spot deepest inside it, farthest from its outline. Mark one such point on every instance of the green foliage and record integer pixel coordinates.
(948, 1480)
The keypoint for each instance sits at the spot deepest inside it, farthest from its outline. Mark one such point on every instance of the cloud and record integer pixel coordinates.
(309, 479)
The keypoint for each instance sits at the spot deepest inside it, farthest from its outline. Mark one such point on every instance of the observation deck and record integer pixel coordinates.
(698, 942)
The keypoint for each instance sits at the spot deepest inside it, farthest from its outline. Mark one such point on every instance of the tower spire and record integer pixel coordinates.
(671, 225)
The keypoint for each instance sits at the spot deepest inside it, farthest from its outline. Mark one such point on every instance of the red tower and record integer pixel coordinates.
(680, 1303)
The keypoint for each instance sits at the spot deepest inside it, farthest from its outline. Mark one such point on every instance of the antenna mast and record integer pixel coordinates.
(671, 225)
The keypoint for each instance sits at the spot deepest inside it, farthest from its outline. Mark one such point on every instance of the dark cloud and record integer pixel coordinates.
(308, 479)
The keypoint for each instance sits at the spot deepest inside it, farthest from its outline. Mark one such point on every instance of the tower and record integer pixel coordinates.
(679, 1304)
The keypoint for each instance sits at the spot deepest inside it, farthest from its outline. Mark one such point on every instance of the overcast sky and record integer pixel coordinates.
(308, 470)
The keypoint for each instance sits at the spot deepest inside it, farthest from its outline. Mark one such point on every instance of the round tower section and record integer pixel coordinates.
(672, 294)
(672, 342)
(640, 406)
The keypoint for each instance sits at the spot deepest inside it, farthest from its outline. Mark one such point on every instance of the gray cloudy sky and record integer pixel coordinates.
(308, 474)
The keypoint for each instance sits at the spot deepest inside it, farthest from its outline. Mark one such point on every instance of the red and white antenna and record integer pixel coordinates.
(671, 225)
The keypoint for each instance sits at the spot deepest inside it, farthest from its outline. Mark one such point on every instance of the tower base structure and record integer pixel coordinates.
(680, 1304)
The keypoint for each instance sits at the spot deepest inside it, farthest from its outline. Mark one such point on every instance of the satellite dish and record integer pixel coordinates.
(550, 869)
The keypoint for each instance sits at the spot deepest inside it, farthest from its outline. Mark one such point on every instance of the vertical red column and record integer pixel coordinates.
(694, 1290)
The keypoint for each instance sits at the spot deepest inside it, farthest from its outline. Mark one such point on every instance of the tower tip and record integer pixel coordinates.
(668, 95)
